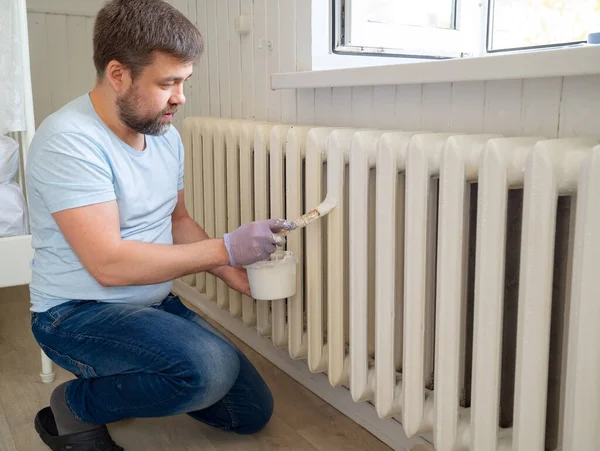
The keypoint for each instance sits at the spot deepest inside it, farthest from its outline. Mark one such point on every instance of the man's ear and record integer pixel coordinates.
(118, 76)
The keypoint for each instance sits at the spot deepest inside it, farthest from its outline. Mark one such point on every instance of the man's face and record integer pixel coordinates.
(150, 102)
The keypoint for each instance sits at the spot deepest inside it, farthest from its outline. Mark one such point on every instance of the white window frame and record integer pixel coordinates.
(323, 56)
(335, 70)
(488, 38)
(342, 70)
(328, 52)
(437, 43)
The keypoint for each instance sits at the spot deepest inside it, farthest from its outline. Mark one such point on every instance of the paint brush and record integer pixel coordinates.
(321, 210)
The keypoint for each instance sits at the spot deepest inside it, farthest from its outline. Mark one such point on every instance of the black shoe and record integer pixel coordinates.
(95, 440)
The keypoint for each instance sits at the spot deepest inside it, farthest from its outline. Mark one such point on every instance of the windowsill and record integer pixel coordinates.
(547, 63)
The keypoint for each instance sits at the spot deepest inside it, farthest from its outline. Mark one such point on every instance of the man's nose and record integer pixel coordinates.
(178, 98)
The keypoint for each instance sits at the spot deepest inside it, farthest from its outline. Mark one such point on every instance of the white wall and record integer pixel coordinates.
(542, 107)
(232, 78)
(61, 59)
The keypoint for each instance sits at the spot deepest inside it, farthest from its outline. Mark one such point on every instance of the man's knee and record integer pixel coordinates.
(259, 416)
(208, 376)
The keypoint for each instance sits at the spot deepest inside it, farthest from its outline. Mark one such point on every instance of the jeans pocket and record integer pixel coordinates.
(79, 369)
(61, 312)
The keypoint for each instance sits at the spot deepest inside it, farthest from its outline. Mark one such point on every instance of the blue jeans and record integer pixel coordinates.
(135, 361)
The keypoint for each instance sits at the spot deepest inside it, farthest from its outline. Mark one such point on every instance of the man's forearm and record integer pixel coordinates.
(186, 230)
(138, 263)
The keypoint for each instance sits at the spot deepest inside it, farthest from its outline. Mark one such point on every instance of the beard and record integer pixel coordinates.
(129, 106)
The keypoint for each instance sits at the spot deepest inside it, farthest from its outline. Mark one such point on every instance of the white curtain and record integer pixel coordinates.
(12, 102)
(13, 211)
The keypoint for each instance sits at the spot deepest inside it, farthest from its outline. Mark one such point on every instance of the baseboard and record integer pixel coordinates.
(388, 431)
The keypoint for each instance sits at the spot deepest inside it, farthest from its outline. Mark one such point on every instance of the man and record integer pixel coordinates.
(111, 231)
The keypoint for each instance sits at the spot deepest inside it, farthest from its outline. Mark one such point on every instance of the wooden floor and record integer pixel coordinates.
(302, 421)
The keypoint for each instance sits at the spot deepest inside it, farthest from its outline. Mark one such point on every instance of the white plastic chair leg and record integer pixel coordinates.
(47, 373)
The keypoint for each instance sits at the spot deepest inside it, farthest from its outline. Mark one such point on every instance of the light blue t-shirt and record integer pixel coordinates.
(76, 160)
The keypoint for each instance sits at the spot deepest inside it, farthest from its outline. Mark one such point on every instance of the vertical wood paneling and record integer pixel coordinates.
(303, 35)
(580, 105)
(89, 39)
(223, 68)
(541, 105)
(273, 54)
(306, 106)
(80, 56)
(182, 6)
(38, 49)
(341, 103)
(503, 107)
(323, 106)
(213, 58)
(409, 104)
(201, 85)
(235, 61)
(247, 48)
(466, 115)
(287, 54)
(384, 105)
(191, 86)
(362, 107)
(260, 60)
(60, 82)
(437, 100)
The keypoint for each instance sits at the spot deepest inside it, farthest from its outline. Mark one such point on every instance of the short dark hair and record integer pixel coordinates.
(130, 31)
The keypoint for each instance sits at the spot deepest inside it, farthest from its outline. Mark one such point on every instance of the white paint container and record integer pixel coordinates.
(274, 278)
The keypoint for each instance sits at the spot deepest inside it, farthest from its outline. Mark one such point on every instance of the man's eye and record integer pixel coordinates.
(167, 85)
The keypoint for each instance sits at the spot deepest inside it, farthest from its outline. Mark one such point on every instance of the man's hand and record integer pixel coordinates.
(255, 241)
(235, 277)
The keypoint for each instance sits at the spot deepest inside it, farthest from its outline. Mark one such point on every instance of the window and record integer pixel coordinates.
(458, 28)
(518, 24)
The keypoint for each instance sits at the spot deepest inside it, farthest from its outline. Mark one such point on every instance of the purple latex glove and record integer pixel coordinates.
(255, 241)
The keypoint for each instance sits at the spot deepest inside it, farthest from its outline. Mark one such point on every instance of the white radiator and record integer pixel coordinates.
(405, 294)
